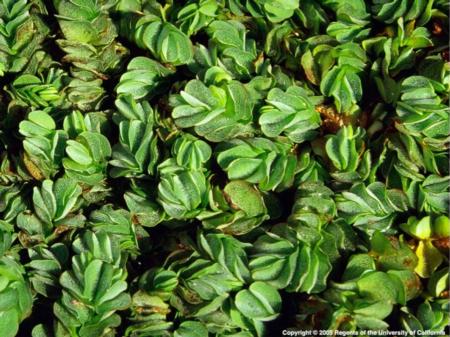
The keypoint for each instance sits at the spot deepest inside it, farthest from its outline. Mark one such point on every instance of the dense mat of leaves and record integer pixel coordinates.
(227, 168)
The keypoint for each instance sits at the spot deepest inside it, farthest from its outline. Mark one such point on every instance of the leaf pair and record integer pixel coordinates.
(16, 297)
(348, 154)
(87, 158)
(165, 41)
(136, 153)
(54, 206)
(236, 51)
(44, 145)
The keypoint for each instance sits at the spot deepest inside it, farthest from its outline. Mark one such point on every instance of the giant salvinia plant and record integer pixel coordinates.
(238, 168)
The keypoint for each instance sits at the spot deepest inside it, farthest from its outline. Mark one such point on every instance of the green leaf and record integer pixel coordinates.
(368, 286)
(420, 229)
(92, 276)
(78, 153)
(243, 196)
(357, 265)
(260, 301)
(191, 329)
